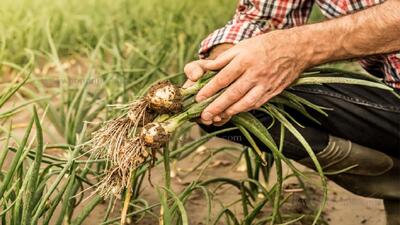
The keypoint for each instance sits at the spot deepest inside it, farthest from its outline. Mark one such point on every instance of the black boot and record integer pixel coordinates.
(375, 174)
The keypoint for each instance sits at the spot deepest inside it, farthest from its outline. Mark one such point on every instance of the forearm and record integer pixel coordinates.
(372, 31)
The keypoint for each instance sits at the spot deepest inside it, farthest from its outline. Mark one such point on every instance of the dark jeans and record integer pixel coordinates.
(364, 115)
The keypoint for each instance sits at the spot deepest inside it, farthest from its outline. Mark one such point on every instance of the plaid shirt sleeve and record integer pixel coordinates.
(254, 17)
(337, 8)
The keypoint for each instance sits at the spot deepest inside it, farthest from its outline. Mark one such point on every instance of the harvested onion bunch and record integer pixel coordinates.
(129, 140)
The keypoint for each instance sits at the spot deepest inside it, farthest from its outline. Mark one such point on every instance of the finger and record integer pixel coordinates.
(221, 123)
(219, 49)
(268, 95)
(247, 102)
(217, 119)
(224, 120)
(221, 80)
(231, 95)
(222, 60)
(188, 83)
(194, 70)
(262, 101)
(205, 122)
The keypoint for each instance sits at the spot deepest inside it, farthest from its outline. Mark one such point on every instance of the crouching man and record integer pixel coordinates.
(265, 47)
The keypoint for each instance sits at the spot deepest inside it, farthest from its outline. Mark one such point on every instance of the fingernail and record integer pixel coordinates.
(206, 122)
(217, 119)
(207, 116)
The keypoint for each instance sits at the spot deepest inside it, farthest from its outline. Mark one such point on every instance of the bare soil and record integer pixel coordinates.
(343, 207)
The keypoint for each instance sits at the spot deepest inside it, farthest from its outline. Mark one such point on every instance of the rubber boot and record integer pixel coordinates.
(367, 172)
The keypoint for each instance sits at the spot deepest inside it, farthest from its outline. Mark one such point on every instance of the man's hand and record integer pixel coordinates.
(253, 71)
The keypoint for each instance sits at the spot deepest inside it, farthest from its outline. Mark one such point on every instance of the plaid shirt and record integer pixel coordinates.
(254, 17)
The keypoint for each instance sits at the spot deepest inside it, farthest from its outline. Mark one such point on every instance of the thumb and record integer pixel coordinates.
(194, 70)
(221, 61)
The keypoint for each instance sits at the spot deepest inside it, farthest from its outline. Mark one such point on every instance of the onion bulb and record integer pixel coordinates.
(164, 97)
(154, 135)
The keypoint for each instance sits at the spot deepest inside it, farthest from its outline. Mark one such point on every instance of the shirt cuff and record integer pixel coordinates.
(232, 33)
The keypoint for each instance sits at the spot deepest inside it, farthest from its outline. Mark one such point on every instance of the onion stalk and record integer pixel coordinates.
(129, 140)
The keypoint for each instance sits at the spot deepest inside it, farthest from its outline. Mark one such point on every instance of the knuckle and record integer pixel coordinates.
(233, 94)
(243, 60)
(220, 81)
(249, 102)
(249, 80)
(235, 70)
(260, 70)
(240, 89)
(269, 89)
(215, 109)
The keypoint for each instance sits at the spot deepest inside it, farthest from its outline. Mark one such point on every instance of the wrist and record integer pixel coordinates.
(314, 45)
(296, 44)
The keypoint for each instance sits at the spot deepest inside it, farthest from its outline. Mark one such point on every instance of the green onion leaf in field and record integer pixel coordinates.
(16, 159)
(34, 175)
